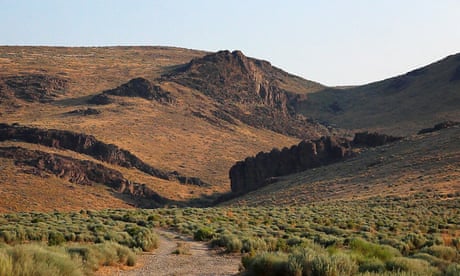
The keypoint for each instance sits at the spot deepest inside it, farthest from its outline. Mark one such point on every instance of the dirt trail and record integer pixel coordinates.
(198, 260)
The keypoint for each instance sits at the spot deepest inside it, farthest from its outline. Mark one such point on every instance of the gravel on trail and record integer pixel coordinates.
(198, 259)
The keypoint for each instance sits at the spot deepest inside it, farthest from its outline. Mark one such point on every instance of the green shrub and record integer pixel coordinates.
(143, 238)
(269, 264)
(203, 234)
(442, 252)
(55, 238)
(453, 270)
(253, 244)
(109, 253)
(231, 242)
(416, 266)
(372, 265)
(371, 250)
(36, 260)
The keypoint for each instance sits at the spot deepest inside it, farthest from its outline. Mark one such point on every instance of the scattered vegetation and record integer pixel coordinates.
(381, 236)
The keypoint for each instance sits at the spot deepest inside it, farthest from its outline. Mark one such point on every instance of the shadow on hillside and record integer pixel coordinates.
(73, 101)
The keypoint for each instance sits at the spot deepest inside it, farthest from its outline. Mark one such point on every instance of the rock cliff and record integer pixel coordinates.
(258, 171)
(81, 172)
(89, 145)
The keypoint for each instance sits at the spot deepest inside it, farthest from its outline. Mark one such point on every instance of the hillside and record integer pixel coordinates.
(425, 165)
(400, 105)
(163, 126)
(153, 102)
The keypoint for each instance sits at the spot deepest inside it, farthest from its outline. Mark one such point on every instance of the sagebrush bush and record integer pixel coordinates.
(96, 255)
(453, 270)
(442, 252)
(372, 265)
(269, 264)
(371, 250)
(416, 266)
(231, 243)
(32, 259)
(203, 234)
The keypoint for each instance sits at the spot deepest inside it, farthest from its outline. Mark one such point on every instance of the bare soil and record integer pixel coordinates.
(198, 259)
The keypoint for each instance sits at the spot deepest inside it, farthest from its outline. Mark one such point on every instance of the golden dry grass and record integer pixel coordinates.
(167, 137)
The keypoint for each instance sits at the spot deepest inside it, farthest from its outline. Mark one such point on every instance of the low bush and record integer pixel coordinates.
(203, 234)
(269, 264)
(32, 259)
(453, 270)
(231, 243)
(442, 252)
(371, 250)
(372, 265)
(182, 249)
(104, 254)
(415, 266)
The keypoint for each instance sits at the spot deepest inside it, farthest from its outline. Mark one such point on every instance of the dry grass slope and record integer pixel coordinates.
(427, 165)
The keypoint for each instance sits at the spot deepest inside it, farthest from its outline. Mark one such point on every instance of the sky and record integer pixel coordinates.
(334, 42)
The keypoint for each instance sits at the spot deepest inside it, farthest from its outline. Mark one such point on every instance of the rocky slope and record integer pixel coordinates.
(82, 172)
(250, 90)
(32, 88)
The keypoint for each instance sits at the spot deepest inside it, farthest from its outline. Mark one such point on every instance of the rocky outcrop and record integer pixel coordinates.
(89, 145)
(258, 171)
(249, 90)
(81, 172)
(374, 139)
(438, 127)
(138, 87)
(232, 77)
(32, 87)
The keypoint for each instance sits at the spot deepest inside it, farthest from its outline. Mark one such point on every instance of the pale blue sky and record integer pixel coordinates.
(330, 41)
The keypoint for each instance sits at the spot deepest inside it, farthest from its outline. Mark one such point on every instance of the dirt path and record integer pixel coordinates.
(198, 259)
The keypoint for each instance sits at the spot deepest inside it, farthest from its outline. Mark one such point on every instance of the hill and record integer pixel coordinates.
(159, 104)
(163, 126)
(400, 105)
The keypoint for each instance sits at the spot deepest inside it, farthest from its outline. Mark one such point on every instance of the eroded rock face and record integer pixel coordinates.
(32, 87)
(138, 87)
(89, 145)
(231, 76)
(258, 171)
(373, 139)
(249, 90)
(81, 172)
(437, 127)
